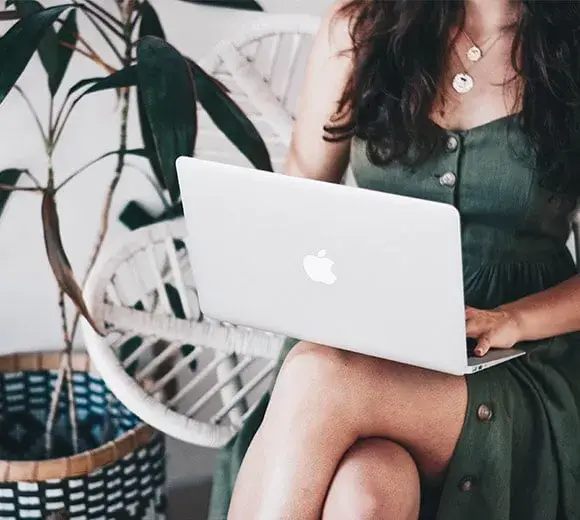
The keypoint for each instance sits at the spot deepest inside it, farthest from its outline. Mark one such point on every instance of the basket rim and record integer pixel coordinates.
(80, 464)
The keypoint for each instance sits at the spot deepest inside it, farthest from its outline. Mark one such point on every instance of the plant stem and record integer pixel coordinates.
(105, 37)
(65, 372)
(105, 215)
(104, 13)
(65, 369)
(68, 372)
(82, 169)
(95, 56)
(34, 114)
(8, 187)
(50, 147)
(32, 178)
(54, 407)
(92, 56)
(104, 21)
(9, 15)
(58, 127)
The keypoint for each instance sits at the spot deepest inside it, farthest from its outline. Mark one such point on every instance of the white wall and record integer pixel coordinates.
(29, 317)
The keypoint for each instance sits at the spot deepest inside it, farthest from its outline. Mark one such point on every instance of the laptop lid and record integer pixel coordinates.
(367, 271)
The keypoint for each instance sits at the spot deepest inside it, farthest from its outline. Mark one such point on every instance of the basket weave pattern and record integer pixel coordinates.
(119, 472)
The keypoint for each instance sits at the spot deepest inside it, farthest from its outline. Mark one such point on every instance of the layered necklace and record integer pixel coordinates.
(463, 81)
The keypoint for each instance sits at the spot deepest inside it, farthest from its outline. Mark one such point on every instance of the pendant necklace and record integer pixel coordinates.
(463, 81)
(474, 53)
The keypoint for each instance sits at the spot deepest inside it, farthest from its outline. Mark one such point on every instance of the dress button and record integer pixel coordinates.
(467, 484)
(484, 413)
(451, 144)
(448, 179)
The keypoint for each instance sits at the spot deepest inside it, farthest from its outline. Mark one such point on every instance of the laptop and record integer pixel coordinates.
(356, 269)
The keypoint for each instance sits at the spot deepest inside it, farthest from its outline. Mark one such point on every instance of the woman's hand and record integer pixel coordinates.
(497, 328)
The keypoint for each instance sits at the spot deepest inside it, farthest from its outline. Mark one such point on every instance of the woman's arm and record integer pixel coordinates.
(329, 67)
(548, 313)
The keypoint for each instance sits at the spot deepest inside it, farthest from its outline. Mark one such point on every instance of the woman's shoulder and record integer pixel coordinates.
(337, 23)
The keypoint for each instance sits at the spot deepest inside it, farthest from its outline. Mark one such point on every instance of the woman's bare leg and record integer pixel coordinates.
(323, 402)
(376, 480)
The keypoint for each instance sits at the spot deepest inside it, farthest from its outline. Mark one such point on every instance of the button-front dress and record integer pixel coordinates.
(518, 456)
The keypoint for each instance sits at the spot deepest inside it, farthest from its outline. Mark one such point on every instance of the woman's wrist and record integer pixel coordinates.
(519, 316)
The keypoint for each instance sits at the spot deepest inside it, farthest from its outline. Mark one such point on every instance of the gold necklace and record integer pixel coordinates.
(463, 81)
(475, 52)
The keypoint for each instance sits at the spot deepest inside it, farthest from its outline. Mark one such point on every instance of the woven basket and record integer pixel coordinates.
(119, 470)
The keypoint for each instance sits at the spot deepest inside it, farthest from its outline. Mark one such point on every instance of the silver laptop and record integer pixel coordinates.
(361, 270)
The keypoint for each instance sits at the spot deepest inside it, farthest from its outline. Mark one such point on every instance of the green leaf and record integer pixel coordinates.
(230, 119)
(135, 216)
(58, 259)
(49, 47)
(68, 34)
(149, 141)
(168, 96)
(251, 5)
(150, 26)
(8, 177)
(83, 83)
(150, 23)
(175, 211)
(19, 44)
(126, 77)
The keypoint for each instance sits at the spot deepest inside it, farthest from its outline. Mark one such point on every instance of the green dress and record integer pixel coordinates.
(518, 456)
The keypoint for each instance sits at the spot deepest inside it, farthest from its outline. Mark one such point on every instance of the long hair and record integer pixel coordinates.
(400, 52)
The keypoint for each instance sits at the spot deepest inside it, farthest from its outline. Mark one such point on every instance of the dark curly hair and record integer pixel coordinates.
(400, 51)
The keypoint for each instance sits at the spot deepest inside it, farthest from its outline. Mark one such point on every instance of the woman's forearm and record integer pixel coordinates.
(552, 312)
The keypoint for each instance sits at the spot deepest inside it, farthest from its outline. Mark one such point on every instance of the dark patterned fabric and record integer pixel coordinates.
(132, 488)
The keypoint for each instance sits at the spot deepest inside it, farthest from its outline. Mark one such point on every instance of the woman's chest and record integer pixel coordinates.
(488, 174)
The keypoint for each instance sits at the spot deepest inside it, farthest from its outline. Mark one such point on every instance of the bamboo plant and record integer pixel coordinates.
(167, 86)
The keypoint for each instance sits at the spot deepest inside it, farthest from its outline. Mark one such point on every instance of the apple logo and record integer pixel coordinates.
(319, 268)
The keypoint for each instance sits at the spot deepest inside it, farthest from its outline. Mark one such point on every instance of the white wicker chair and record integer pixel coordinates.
(264, 70)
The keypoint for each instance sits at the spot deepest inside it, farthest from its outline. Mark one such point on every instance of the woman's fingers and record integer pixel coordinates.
(474, 328)
(483, 345)
(492, 329)
(470, 311)
(478, 325)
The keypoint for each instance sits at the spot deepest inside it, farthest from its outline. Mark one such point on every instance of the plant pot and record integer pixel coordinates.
(119, 470)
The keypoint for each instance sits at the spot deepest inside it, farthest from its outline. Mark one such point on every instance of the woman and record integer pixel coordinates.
(474, 103)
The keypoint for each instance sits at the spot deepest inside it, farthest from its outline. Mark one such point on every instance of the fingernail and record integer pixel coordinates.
(478, 351)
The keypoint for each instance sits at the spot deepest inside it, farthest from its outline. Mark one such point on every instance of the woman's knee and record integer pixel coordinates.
(313, 370)
(376, 479)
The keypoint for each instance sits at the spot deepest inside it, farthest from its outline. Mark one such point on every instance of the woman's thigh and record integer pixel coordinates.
(420, 409)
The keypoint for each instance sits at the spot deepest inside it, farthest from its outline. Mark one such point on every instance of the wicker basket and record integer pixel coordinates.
(119, 471)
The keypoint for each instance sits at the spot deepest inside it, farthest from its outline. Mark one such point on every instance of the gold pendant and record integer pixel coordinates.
(474, 54)
(462, 83)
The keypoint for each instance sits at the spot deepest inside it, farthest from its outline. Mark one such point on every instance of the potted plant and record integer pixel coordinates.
(88, 438)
